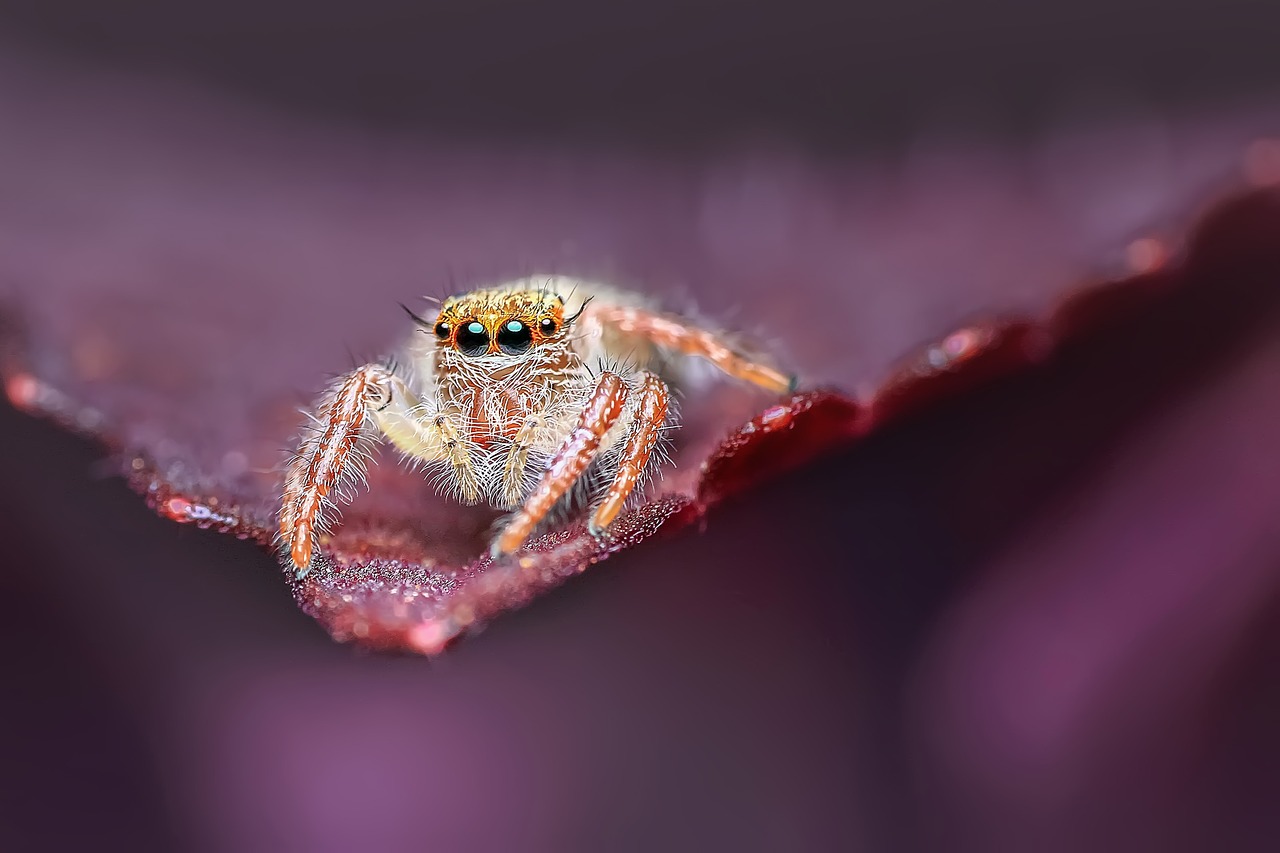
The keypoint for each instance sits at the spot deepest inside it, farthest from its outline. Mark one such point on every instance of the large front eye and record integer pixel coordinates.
(473, 339)
(515, 337)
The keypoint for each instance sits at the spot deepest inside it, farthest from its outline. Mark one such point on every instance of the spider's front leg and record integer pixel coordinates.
(366, 401)
(671, 333)
(650, 417)
(602, 410)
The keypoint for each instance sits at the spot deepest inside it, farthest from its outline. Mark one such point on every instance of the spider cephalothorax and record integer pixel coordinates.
(528, 397)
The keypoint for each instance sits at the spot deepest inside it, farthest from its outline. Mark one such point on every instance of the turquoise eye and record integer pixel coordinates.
(473, 340)
(515, 338)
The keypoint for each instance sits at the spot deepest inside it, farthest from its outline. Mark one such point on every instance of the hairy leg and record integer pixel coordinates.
(650, 416)
(366, 401)
(449, 443)
(674, 334)
(513, 471)
(601, 412)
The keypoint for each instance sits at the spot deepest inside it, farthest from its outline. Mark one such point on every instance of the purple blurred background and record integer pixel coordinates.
(1042, 617)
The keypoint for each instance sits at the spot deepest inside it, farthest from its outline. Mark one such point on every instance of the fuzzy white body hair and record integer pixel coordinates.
(549, 383)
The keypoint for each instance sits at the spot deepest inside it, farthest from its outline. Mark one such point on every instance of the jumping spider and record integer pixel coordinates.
(529, 396)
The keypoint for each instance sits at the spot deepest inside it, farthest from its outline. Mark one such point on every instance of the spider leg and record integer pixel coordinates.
(513, 471)
(601, 412)
(366, 401)
(650, 415)
(452, 446)
(674, 334)
(328, 457)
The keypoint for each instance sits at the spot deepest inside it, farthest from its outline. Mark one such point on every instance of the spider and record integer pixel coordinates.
(532, 396)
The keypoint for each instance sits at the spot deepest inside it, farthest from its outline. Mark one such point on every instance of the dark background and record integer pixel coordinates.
(842, 75)
(906, 647)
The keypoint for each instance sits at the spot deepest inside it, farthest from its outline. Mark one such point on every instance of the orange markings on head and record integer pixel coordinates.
(489, 322)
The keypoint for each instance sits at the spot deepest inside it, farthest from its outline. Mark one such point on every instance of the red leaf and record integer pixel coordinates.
(180, 287)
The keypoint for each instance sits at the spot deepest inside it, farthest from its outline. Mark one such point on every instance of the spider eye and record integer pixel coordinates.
(473, 339)
(547, 326)
(442, 330)
(515, 337)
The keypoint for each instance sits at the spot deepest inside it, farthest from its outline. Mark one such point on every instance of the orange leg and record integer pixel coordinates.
(367, 402)
(325, 457)
(603, 408)
(674, 334)
(651, 414)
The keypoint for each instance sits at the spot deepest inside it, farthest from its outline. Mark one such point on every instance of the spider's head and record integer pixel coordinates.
(500, 321)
